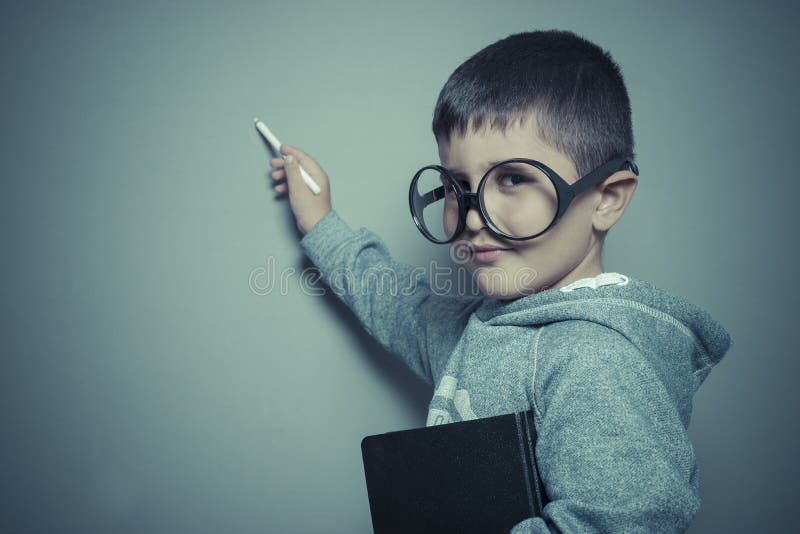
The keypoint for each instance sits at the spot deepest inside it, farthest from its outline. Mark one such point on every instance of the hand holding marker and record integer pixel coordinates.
(270, 137)
(293, 175)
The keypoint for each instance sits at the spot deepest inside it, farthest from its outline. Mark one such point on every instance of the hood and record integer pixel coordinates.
(671, 331)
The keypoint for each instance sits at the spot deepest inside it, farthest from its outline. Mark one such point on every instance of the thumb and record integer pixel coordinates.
(293, 178)
(307, 207)
(308, 164)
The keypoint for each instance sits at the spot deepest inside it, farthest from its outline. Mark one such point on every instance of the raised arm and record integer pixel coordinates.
(392, 300)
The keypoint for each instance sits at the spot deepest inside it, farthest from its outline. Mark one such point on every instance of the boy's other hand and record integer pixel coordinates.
(307, 207)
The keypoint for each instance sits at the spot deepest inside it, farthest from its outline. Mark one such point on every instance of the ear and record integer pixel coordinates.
(614, 194)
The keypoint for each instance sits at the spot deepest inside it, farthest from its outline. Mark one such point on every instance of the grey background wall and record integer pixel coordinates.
(149, 386)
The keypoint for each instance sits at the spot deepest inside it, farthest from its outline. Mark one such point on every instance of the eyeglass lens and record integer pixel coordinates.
(519, 200)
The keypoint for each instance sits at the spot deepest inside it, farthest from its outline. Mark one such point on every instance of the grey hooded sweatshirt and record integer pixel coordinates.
(608, 365)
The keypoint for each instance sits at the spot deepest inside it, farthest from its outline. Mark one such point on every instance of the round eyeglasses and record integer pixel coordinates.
(519, 198)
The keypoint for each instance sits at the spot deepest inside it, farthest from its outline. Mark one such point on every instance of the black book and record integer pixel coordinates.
(471, 476)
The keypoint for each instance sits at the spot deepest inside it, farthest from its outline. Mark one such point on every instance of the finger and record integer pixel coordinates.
(292, 174)
(279, 181)
(276, 162)
(305, 160)
(281, 188)
(278, 174)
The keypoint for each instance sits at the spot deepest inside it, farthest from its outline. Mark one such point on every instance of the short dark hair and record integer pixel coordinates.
(575, 89)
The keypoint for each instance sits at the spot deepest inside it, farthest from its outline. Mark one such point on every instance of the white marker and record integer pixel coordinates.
(270, 137)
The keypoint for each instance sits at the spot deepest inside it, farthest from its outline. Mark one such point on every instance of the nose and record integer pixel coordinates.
(474, 219)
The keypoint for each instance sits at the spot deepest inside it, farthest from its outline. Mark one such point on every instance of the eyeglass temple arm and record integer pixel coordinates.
(603, 172)
(433, 195)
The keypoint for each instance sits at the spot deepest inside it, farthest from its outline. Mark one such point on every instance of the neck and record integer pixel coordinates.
(591, 265)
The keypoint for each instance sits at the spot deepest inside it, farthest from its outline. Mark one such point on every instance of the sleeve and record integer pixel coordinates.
(392, 300)
(612, 451)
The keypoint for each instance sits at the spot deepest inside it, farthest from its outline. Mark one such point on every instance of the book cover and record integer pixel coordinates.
(469, 476)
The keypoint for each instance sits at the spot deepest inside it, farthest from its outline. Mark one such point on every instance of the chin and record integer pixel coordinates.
(500, 293)
(496, 282)
(505, 297)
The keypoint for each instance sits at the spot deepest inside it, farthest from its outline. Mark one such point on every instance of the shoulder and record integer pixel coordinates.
(581, 356)
(582, 342)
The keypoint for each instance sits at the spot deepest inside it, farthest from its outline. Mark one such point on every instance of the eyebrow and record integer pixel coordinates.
(459, 172)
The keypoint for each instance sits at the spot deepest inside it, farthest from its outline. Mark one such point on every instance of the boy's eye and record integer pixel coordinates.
(510, 180)
(450, 190)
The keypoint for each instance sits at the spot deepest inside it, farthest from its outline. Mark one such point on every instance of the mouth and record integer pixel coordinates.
(487, 254)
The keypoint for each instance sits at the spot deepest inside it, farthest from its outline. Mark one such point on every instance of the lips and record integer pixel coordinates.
(487, 253)
(477, 248)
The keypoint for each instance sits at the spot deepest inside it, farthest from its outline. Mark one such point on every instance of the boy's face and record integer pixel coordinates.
(568, 251)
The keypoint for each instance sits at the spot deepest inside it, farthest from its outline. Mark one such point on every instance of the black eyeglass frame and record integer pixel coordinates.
(565, 192)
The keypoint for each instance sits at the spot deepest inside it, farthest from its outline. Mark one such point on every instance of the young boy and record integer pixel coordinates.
(608, 363)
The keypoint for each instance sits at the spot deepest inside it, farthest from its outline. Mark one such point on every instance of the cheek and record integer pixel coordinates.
(575, 226)
(547, 254)
(533, 259)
